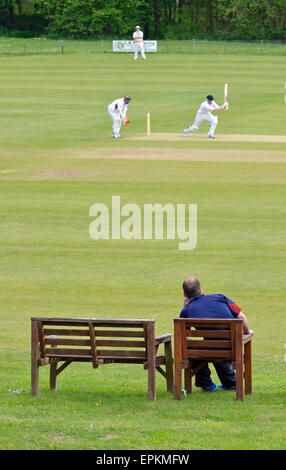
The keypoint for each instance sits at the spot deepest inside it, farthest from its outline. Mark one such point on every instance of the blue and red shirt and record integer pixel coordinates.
(213, 306)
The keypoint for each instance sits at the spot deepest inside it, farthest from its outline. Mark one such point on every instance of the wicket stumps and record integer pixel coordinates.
(148, 125)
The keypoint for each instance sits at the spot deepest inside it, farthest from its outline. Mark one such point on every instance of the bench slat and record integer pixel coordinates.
(123, 344)
(192, 353)
(208, 324)
(120, 353)
(119, 323)
(65, 332)
(122, 333)
(68, 342)
(86, 342)
(102, 360)
(100, 352)
(66, 351)
(61, 357)
(209, 333)
(103, 333)
(203, 321)
(208, 344)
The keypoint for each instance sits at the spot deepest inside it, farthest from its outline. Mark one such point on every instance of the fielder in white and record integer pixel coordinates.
(138, 43)
(204, 114)
(117, 111)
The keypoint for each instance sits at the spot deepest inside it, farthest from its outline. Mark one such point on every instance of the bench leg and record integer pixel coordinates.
(248, 368)
(151, 358)
(239, 361)
(53, 376)
(178, 362)
(178, 384)
(188, 379)
(151, 383)
(169, 366)
(239, 383)
(239, 378)
(35, 380)
(34, 359)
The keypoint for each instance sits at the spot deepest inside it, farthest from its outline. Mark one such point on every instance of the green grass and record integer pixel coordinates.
(56, 160)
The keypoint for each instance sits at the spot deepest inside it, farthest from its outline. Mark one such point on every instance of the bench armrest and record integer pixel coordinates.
(247, 338)
(163, 338)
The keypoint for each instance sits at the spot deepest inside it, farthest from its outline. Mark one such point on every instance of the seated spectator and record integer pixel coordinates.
(214, 306)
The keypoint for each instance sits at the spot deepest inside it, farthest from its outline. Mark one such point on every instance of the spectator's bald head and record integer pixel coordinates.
(191, 287)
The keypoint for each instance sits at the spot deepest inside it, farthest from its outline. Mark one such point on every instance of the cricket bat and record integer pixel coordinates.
(225, 94)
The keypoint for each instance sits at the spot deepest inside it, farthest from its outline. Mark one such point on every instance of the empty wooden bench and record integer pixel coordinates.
(98, 341)
(199, 341)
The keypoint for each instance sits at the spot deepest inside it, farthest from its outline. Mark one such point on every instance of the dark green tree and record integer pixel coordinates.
(224, 19)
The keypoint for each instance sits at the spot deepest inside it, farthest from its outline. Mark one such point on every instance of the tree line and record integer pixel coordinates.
(172, 19)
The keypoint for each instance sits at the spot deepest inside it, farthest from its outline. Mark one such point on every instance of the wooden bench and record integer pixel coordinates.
(99, 341)
(199, 341)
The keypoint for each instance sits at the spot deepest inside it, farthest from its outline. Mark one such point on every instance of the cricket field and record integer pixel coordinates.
(57, 159)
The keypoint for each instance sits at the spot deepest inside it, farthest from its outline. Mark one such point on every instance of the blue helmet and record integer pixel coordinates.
(210, 98)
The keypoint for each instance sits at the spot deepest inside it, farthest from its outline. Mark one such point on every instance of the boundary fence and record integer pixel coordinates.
(33, 46)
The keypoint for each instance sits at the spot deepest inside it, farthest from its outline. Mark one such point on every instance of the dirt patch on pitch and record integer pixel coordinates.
(6, 172)
(219, 137)
(168, 154)
(54, 174)
(187, 154)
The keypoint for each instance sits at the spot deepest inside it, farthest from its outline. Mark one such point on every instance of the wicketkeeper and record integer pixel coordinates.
(117, 111)
(204, 114)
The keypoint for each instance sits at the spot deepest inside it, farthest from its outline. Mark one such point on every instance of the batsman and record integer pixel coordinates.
(205, 114)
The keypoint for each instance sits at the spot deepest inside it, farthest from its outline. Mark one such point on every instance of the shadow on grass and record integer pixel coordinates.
(128, 397)
(84, 396)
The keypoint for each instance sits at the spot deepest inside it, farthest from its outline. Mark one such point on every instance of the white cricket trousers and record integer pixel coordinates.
(116, 121)
(213, 120)
(140, 46)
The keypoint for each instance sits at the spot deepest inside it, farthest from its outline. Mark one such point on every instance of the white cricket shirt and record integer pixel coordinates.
(138, 36)
(119, 107)
(206, 108)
